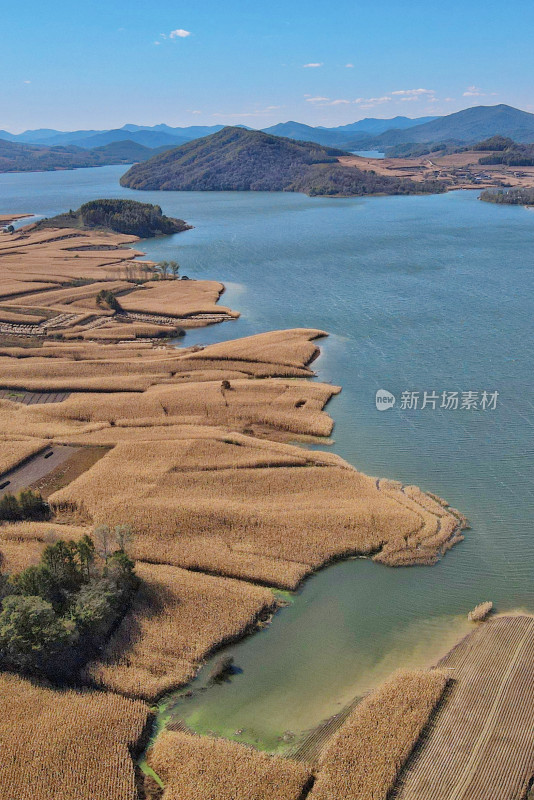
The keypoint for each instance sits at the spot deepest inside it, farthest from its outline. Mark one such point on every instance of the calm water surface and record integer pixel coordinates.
(417, 293)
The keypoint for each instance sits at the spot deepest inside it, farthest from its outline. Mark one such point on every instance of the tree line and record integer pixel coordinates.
(56, 615)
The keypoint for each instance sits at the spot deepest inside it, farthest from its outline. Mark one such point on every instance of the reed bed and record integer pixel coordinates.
(11, 287)
(56, 256)
(177, 619)
(292, 347)
(177, 299)
(21, 318)
(480, 612)
(25, 422)
(480, 743)
(113, 383)
(362, 761)
(68, 745)
(232, 508)
(293, 406)
(118, 331)
(200, 768)
(13, 452)
(22, 543)
(71, 294)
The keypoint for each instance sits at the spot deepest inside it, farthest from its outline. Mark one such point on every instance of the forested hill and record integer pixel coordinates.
(241, 160)
(232, 159)
(122, 216)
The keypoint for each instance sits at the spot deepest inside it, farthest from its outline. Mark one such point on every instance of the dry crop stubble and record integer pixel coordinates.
(480, 743)
(362, 760)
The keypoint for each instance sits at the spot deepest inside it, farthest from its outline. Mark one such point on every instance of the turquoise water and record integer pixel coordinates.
(417, 293)
(369, 153)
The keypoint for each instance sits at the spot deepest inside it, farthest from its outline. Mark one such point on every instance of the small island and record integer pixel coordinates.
(520, 196)
(235, 159)
(120, 216)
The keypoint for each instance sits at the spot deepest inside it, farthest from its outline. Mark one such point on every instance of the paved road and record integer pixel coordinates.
(34, 469)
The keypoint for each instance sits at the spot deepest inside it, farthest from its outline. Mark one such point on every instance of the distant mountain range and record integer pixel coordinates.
(463, 127)
(154, 136)
(18, 157)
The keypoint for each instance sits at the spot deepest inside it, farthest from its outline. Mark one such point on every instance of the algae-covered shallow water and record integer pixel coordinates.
(417, 293)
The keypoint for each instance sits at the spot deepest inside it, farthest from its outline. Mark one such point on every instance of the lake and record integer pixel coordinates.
(417, 294)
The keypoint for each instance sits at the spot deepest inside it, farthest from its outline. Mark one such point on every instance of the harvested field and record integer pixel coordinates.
(237, 506)
(362, 760)
(481, 741)
(198, 768)
(177, 619)
(67, 745)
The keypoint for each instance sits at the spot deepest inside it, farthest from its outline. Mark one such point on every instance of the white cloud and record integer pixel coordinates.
(157, 42)
(349, 66)
(474, 91)
(414, 92)
(189, 111)
(179, 33)
(326, 101)
(371, 102)
(27, 81)
(313, 65)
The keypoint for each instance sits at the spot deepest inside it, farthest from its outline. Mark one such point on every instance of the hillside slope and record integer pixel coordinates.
(240, 160)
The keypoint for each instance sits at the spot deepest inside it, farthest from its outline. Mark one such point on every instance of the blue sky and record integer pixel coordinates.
(68, 65)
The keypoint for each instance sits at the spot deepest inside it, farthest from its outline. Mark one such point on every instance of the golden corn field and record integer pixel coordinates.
(67, 745)
(480, 745)
(202, 467)
(13, 452)
(178, 299)
(362, 760)
(21, 543)
(201, 768)
(177, 619)
(235, 509)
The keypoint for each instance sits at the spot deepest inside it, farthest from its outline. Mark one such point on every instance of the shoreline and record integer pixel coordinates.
(410, 522)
